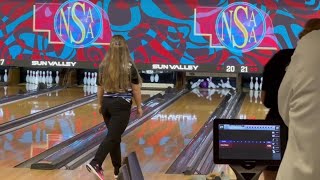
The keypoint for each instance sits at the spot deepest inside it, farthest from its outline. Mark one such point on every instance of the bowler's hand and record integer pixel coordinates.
(139, 111)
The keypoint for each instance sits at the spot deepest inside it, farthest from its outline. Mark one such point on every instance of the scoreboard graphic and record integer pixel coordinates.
(185, 35)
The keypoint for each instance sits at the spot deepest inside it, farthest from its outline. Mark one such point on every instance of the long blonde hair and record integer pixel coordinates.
(116, 66)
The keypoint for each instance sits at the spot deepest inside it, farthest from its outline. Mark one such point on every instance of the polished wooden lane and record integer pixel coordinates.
(252, 107)
(11, 90)
(27, 174)
(35, 104)
(25, 143)
(159, 141)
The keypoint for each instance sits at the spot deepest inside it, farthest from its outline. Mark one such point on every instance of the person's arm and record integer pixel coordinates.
(271, 78)
(100, 95)
(299, 104)
(136, 91)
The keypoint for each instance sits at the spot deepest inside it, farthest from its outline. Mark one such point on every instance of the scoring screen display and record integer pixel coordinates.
(211, 36)
(249, 142)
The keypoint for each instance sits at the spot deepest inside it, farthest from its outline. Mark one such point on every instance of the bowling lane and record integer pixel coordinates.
(252, 107)
(11, 90)
(25, 143)
(22, 144)
(32, 105)
(146, 95)
(159, 141)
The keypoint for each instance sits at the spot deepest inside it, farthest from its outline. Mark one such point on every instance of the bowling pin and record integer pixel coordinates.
(156, 78)
(88, 78)
(47, 78)
(92, 82)
(50, 77)
(151, 78)
(5, 77)
(37, 78)
(228, 85)
(261, 83)
(251, 83)
(40, 77)
(211, 84)
(192, 84)
(222, 83)
(228, 82)
(95, 79)
(44, 77)
(33, 79)
(85, 78)
(196, 84)
(57, 77)
(27, 77)
(256, 85)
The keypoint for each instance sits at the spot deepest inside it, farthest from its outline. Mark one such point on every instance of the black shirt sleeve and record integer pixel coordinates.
(273, 74)
(134, 75)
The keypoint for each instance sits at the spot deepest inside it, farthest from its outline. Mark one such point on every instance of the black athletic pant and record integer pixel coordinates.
(116, 114)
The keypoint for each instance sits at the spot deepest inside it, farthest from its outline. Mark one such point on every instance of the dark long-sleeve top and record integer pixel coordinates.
(273, 74)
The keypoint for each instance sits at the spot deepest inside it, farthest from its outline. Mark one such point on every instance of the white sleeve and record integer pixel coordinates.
(299, 106)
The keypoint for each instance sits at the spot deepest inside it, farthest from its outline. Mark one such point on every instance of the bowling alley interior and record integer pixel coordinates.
(202, 67)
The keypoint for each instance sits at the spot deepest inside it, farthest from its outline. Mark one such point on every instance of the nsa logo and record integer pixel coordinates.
(239, 27)
(75, 23)
(78, 23)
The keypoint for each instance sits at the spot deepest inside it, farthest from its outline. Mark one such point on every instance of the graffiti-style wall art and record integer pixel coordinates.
(189, 35)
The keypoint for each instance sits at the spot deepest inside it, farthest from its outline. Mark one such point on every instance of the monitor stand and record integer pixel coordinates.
(247, 172)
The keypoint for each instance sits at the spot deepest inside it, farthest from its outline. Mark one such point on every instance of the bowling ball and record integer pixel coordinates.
(204, 84)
